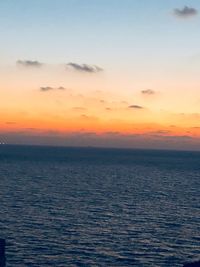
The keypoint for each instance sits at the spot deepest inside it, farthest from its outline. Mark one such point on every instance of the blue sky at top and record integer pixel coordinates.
(103, 31)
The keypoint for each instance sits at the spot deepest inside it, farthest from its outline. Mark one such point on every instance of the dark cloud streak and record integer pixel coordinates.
(29, 63)
(148, 92)
(84, 67)
(136, 107)
(49, 88)
(185, 12)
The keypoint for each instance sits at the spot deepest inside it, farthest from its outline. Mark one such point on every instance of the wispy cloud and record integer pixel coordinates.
(84, 67)
(46, 88)
(185, 12)
(159, 132)
(87, 117)
(79, 109)
(29, 63)
(148, 92)
(49, 88)
(10, 122)
(136, 107)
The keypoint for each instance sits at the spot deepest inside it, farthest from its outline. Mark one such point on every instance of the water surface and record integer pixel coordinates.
(99, 207)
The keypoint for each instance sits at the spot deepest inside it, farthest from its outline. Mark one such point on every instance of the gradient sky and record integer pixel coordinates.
(122, 73)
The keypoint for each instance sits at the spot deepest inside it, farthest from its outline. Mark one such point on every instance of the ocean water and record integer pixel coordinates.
(99, 207)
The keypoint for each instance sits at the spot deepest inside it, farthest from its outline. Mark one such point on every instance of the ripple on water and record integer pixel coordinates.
(100, 212)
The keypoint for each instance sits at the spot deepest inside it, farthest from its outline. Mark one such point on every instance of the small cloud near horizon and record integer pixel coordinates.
(84, 67)
(29, 63)
(49, 88)
(79, 109)
(10, 122)
(136, 107)
(148, 92)
(185, 12)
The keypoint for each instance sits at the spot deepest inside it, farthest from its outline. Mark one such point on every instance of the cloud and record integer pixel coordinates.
(87, 117)
(46, 88)
(79, 108)
(160, 132)
(148, 92)
(185, 12)
(136, 107)
(49, 88)
(10, 122)
(60, 88)
(84, 67)
(29, 63)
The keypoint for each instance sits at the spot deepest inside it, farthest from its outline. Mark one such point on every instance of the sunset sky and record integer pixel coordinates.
(116, 73)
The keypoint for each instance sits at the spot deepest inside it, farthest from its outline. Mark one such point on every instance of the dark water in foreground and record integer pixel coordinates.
(97, 207)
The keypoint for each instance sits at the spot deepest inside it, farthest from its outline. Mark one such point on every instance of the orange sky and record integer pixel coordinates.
(141, 80)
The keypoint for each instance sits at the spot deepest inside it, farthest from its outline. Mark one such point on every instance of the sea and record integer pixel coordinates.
(90, 206)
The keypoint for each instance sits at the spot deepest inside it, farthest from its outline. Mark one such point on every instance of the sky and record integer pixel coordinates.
(107, 73)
